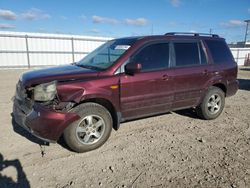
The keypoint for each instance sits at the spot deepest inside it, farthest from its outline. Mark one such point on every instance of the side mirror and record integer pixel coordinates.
(132, 68)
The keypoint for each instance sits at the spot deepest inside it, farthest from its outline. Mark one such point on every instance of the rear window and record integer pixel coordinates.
(219, 51)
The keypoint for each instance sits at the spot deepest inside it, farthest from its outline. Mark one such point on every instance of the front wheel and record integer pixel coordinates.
(91, 131)
(212, 104)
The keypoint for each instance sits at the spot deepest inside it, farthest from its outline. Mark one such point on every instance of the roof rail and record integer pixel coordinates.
(192, 34)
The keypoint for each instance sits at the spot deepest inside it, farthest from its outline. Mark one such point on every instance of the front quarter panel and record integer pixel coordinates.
(69, 92)
(104, 87)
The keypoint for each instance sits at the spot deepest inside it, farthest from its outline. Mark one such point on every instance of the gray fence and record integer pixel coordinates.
(31, 50)
(36, 50)
(240, 54)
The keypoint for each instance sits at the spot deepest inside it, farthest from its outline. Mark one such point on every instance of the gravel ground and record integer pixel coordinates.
(172, 150)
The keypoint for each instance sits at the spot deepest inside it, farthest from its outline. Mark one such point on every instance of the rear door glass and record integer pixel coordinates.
(186, 54)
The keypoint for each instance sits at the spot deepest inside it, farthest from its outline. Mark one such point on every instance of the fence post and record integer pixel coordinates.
(238, 50)
(73, 51)
(27, 50)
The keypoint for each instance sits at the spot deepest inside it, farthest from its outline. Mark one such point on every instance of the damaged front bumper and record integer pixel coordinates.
(42, 122)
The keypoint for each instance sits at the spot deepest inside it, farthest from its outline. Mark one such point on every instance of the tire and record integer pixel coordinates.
(212, 104)
(91, 131)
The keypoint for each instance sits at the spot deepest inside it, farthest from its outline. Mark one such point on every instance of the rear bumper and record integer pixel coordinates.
(43, 123)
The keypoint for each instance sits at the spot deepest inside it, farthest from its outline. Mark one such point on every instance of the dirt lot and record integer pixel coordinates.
(172, 150)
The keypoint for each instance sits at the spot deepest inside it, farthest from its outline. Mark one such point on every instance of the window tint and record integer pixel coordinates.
(153, 57)
(186, 54)
(219, 50)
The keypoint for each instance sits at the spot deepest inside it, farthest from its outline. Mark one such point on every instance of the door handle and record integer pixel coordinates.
(205, 72)
(216, 72)
(165, 77)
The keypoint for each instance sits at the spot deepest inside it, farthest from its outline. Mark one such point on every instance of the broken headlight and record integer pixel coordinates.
(45, 92)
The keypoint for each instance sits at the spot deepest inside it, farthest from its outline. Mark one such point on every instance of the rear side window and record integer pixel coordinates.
(186, 53)
(153, 57)
(219, 51)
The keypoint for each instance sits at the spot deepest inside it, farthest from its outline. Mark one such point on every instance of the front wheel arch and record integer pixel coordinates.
(75, 134)
(109, 106)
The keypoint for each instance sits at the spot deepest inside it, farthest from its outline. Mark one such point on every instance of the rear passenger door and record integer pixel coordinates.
(191, 72)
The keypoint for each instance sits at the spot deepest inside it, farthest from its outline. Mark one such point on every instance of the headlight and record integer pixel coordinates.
(45, 92)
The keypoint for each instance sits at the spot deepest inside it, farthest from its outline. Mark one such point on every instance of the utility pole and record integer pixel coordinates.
(210, 31)
(246, 33)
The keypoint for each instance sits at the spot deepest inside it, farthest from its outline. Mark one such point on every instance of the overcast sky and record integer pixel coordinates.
(118, 18)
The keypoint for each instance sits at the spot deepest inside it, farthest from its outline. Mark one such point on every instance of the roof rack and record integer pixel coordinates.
(191, 34)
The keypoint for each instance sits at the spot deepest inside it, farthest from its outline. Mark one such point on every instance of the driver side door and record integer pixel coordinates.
(150, 91)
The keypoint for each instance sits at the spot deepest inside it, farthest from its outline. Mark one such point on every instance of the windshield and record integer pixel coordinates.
(106, 55)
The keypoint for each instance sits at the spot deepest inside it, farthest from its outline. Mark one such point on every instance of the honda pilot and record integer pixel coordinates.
(125, 79)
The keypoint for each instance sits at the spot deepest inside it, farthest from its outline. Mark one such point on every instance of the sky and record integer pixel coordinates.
(120, 18)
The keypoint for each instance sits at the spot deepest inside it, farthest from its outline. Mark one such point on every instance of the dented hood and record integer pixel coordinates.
(59, 73)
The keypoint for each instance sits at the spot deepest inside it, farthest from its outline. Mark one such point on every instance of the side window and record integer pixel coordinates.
(220, 51)
(153, 57)
(186, 53)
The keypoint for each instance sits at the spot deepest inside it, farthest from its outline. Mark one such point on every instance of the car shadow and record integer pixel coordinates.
(190, 112)
(63, 144)
(245, 68)
(244, 84)
(146, 117)
(6, 181)
(21, 131)
(186, 112)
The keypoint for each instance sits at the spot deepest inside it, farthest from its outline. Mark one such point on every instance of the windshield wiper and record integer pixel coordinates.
(87, 66)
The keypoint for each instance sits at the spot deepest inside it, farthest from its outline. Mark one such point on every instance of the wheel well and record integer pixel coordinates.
(109, 106)
(222, 87)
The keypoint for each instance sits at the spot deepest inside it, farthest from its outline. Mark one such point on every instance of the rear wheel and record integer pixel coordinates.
(212, 105)
(92, 130)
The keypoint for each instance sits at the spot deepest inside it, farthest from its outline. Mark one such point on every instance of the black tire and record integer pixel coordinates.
(77, 133)
(205, 109)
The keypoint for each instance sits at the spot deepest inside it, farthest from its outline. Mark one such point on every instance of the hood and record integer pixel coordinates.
(59, 73)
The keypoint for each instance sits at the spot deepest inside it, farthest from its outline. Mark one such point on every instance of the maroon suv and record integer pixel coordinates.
(125, 79)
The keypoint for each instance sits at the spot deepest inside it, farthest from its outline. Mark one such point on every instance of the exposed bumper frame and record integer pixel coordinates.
(46, 124)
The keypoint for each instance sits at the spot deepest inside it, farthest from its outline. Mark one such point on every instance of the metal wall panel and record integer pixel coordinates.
(240, 54)
(34, 49)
